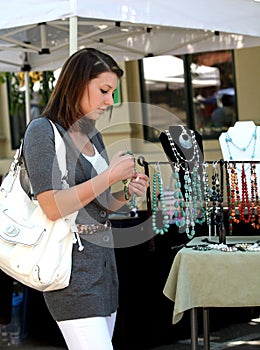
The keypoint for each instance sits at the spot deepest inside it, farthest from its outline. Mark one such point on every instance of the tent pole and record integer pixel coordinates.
(73, 34)
(26, 69)
(27, 98)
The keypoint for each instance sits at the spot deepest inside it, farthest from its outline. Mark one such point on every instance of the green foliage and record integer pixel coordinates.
(2, 78)
(16, 94)
(46, 87)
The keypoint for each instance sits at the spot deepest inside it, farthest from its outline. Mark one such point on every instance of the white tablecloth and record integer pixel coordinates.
(213, 278)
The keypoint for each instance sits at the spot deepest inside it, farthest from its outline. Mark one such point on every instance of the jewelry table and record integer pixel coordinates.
(212, 278)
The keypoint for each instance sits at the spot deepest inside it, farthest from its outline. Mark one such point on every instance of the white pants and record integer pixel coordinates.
(94, 333)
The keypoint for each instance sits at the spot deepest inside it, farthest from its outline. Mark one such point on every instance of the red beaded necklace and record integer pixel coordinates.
(255, 205)
(245, 203)
(235, 199)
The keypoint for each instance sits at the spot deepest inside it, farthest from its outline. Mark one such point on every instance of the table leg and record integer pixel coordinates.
(206, 328)
(194, 329)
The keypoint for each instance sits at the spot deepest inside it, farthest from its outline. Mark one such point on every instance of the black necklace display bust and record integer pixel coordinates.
(182, 146)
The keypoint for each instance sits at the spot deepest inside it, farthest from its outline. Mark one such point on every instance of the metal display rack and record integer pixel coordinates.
(217, 226)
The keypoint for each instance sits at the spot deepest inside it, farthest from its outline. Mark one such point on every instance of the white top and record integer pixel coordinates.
(97, 161)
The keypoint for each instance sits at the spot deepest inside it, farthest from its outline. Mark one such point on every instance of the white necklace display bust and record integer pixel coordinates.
(241, 142)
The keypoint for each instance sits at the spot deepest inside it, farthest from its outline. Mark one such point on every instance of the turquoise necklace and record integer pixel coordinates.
(229, 142)
(157, 183)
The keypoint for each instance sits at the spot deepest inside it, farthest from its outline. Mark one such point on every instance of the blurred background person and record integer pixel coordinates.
(224, 115)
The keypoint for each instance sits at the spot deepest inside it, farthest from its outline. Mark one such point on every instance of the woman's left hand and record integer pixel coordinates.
(138, 184)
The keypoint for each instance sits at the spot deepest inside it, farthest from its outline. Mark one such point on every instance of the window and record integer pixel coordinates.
(214, 101)
(190, 88)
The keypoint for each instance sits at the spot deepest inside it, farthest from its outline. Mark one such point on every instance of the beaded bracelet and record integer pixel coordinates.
(126, 181)
(130, 202)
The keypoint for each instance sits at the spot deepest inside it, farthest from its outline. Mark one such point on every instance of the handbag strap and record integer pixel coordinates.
(61, 155)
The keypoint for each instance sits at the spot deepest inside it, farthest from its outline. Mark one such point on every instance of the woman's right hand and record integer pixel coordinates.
(60, 203)
(121, 167)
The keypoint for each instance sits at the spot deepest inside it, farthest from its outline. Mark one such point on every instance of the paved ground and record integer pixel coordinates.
(240, 336)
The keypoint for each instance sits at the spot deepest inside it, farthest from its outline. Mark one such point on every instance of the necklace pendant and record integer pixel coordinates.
(185, 139)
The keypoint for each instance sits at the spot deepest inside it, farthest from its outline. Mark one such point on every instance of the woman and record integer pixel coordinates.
(85, 311)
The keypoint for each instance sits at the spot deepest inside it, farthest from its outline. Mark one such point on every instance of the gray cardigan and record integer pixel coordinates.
(93, 289)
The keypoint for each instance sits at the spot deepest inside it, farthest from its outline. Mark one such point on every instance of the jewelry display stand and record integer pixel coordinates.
(197, 195)
(242, 143)
(184, 151)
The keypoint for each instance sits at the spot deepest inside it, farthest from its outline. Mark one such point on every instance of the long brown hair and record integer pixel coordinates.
(79, 69)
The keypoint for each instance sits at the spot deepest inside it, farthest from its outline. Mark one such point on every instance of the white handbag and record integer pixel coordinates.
(33, 249)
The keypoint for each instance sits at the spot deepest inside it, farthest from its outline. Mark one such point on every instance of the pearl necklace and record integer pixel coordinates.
(194, 212)
(179, 202)
(189, 210)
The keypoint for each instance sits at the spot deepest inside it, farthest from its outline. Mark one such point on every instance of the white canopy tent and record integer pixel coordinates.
(231, 16)
(40, 35)
(52, 29)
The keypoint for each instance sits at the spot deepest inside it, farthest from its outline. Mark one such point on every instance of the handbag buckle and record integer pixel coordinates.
(12, 230)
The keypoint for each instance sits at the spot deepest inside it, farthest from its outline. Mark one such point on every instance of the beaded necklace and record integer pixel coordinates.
(180, 159)
(197, 197)
(192, 206)
(194, 212)
(189, 211)
(169, 199)
(157, 182)
(179, 203)
(245, 199)
(229, 141)
(215, 186)
(131, 203)
(255, 205)
(229, 202)
(205, 179)
(235, 199)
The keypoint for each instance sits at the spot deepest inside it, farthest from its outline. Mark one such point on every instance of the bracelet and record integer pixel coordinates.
(126, 182)
(131, 203)
(126, 189)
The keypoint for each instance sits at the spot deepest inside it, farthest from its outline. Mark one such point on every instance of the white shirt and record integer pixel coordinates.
(97, 161)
